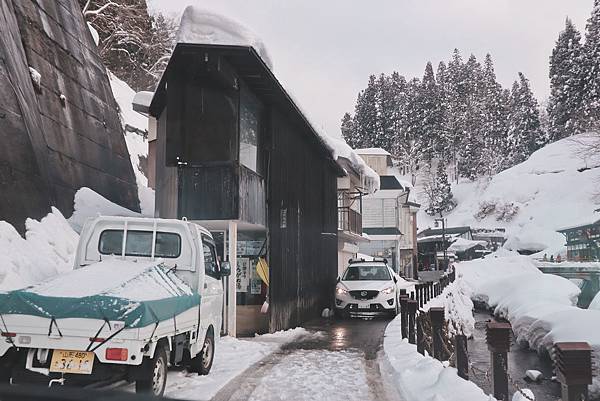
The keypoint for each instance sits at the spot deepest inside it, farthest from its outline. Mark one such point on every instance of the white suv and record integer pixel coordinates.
(368, 288)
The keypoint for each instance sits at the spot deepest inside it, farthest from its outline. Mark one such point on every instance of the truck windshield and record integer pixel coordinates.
(367, 273)
(139, 243)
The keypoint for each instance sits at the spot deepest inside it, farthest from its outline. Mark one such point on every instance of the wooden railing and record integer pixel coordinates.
(349, 220)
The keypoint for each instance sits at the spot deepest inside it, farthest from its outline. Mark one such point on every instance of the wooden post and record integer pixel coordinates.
(430, 291)
(420, 337)
(419, 288)
(412, 313)
(462, 357)
(404, 315)
(437, 324)
(498, 341)
(573, 366)
(402, 291)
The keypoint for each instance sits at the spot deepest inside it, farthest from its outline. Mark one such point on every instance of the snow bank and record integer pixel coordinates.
(48, 249)
(552, 189)
(137, 145)
(91, 204)
(199, 25)
(458, 308)
(418, 377)
(540, 307)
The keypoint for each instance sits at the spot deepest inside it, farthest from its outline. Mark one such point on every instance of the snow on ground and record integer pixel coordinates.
(419, 377)
(541, 307)
(545, 193)
(232, 357)
(316, 375)
(48, 249)
(137, 145)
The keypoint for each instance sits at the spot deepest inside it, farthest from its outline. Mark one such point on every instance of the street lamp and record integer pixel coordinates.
(443, 241)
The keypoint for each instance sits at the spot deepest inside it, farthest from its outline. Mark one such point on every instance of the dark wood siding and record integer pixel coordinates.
(303, 248)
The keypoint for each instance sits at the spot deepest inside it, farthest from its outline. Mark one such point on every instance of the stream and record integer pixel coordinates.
(520, 359)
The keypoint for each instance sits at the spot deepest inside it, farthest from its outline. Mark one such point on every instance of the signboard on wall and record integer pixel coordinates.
(242, 275)
(255, 281)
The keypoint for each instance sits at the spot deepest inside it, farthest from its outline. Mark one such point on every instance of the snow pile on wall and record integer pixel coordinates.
(554, 188)
(48, 249)
(137, 145)
(202, 26)
(91, 204)
(541, 307)
(418, 377)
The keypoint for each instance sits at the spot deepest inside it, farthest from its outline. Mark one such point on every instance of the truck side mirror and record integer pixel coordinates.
(225, 269)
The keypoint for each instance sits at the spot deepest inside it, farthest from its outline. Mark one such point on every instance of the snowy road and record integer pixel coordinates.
(336, 362)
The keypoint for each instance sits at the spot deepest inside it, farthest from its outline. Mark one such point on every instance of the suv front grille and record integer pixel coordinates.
(364, 294)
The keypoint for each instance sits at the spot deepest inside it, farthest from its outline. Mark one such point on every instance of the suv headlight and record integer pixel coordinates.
(388, 290)
(340, 290)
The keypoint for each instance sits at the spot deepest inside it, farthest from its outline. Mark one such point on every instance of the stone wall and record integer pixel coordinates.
(65, 133)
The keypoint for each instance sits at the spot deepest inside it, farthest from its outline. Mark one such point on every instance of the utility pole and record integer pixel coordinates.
(442, 220)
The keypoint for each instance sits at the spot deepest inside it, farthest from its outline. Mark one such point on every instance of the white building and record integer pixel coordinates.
(389, 217)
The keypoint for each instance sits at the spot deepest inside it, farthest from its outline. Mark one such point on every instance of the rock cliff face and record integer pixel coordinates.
(62, 131)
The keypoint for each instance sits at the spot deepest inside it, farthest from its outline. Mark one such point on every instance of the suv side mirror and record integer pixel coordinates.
(339, 279)
(395, 280)
(225, 269)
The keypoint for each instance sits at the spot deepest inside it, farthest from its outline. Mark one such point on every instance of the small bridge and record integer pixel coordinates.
(588, 272)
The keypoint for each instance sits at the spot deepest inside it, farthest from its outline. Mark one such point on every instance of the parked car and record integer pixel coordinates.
(368, 288)
(144, 294)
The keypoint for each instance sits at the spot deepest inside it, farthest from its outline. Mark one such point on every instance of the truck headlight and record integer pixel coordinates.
(341, 291)
(388, 290)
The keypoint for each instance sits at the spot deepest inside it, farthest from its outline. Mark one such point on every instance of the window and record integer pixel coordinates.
(210, 259)
(250, 110)
(367, 273)
(139, 243)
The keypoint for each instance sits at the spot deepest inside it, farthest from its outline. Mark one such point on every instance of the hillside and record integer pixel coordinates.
(556, 187)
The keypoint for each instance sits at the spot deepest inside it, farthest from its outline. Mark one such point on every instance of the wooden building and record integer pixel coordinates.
(234, 153)
(433, 242)
(583, 242)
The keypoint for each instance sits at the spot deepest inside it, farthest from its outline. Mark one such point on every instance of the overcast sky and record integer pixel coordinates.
(324, 50)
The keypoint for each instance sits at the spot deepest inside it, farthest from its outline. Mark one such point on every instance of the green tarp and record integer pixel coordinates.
(107, 306)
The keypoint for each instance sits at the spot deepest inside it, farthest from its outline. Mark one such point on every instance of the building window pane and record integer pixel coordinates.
(250, 110)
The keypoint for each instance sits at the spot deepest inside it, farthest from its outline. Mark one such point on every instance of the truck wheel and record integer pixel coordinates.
(202, 362)
(155, 381)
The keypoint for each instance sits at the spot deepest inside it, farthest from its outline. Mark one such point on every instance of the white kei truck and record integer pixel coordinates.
(144, 294)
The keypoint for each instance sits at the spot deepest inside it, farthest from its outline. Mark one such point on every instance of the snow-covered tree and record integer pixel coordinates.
(439, 192)
(591, 70)
(365, 115)
(348, 131)
(524, 132)
(133, 44)
(566, 86)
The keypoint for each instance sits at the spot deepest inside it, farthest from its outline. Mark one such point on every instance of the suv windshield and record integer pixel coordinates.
(366, 272)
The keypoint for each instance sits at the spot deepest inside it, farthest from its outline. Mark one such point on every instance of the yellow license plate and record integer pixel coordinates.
(79, 362)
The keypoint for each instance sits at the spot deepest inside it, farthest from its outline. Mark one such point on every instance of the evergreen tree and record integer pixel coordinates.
(430, 111)
(409, 144)
(365, 116)
(566, 86)
(386, 113)
(495, 108)
(439, 192)
(591, 70)
(525, 134)
(348, 131)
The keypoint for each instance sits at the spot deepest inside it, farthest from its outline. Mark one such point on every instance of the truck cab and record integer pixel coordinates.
(178, 291)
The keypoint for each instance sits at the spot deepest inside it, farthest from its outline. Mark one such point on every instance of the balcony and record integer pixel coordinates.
(349, 220)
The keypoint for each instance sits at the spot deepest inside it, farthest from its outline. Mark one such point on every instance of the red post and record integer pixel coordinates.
(436, 315)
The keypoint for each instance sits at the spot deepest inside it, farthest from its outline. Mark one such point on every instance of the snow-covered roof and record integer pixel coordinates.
(373, 151)
(141, 101)
(462, 245)
(202, 26)
(205, 28)
(583, 223)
